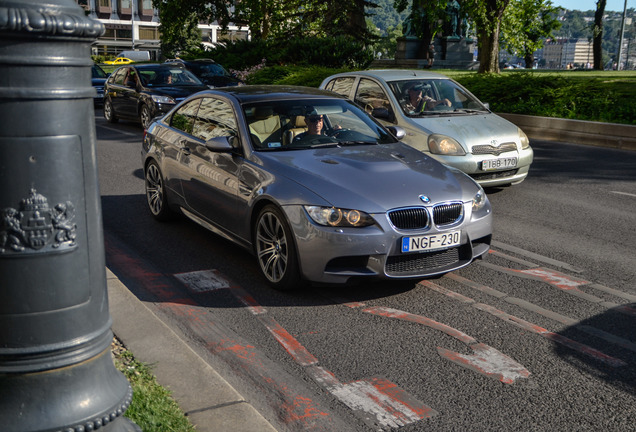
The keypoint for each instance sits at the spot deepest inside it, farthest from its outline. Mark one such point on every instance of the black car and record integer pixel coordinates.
(208, 71)
(98, 78)
(142, 92)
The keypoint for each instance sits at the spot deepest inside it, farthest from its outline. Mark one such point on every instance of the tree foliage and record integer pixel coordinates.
(272, 19)
(525, 26)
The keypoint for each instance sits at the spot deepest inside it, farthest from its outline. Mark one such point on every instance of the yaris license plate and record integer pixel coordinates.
(431, 242)
(501, 163)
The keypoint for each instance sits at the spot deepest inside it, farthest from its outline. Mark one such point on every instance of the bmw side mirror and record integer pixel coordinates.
(397, 132)
(220, 144)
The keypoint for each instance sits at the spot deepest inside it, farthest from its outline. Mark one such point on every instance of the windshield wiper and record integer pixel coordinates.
(282, 148)
(347, 143)
(469, 110)
(428, 113)
(329, 144)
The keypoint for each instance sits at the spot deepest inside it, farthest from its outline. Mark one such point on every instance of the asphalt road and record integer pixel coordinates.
(538, 336)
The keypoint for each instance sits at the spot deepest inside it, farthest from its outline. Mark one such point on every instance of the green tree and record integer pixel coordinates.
(525, 26)
(180, 37)
(274, 19)
(487, 16)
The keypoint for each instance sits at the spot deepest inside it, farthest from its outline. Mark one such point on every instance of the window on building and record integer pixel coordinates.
(150, 33)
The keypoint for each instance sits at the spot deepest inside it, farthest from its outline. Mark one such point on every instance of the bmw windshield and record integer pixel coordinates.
(300, 124)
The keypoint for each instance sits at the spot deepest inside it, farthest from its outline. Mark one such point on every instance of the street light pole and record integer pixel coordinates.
(56, 368)
(620, 40)
(132, 22)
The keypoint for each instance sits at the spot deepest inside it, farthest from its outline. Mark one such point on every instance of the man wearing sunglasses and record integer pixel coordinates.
(315, 123)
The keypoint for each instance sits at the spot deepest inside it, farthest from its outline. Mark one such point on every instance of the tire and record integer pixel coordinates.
(109, 112)
(275, 250)
(156, 194)
(145, 116)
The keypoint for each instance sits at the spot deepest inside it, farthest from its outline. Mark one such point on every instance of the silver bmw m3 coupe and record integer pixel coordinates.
(313, 186)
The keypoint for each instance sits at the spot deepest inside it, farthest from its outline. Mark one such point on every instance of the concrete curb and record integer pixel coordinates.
(208, 400)
(613, 135)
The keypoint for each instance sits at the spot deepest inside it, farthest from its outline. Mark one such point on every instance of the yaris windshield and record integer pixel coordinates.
(312, 123)
(422, 97)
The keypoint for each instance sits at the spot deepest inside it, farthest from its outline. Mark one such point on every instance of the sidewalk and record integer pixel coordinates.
(208, 400)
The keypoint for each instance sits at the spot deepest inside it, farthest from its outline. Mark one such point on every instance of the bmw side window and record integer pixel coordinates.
(183, 118)
(342, 86)
(215, 119)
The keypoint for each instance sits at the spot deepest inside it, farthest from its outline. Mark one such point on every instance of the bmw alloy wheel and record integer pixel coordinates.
(155, 193)
(275, 249)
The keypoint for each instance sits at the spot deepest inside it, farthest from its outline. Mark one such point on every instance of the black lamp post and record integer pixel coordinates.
(56, 369)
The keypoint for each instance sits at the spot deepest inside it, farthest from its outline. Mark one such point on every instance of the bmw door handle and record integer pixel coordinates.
(184, 147)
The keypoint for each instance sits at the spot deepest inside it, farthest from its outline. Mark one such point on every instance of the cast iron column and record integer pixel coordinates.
(56, 370)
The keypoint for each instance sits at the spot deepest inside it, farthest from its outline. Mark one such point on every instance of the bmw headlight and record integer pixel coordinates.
(444, 145)
(479, 200)
(525, 142)
(162, 99)
(337, 217)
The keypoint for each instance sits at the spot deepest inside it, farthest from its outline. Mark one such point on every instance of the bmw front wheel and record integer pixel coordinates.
(156, 193)
(275, 249)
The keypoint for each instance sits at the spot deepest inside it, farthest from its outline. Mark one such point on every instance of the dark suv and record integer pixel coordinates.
(98, 78)
(142, 92)
(208, 71)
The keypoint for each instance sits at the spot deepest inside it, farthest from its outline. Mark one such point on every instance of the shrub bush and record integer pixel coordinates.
(334, 52)
(554, 95)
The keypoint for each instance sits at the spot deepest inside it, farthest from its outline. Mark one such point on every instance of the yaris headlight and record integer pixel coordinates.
(525, 142)
(338, 217)
(162, 99)
(444, 145)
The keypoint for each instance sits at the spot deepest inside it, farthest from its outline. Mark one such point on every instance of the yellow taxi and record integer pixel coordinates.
(119, 61)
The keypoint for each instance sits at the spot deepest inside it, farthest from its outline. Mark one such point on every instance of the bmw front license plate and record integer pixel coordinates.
(495, 164)
(431, 242)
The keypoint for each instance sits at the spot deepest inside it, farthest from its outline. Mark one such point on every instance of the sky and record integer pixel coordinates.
(585, 5)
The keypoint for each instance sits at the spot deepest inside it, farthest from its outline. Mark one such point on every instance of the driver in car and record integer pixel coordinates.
(315, 123)
(418, 102)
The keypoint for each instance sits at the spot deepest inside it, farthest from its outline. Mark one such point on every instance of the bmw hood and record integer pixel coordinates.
(371, 178)
(470, 129)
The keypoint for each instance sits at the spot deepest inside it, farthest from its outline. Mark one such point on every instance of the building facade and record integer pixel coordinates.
(135, 25)
(564, 53)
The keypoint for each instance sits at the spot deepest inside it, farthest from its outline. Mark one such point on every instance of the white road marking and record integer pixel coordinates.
(623, 193)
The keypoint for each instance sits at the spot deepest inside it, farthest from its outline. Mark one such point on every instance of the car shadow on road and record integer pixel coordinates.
(181, 246)
(609, 347)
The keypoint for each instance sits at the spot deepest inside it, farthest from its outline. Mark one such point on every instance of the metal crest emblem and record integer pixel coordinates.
(494, 143)
(425, 199)
(37, 227)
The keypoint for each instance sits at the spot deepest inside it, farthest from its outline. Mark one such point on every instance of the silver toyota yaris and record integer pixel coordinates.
(317, 189)
(442, 119)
